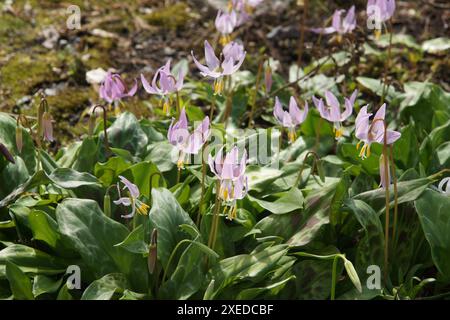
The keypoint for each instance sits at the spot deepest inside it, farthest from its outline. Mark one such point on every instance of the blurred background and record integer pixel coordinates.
(40, 50)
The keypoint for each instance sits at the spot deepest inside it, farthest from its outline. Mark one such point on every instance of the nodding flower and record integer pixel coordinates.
(444, 183)
(234, 50)
(339, 25)
(164, 83)
(132, 200)
(114, 89)
(225, 24)
(47, 126)
(374, 132)
(185, 142)
(244, 9)
(332, 111)
(217, 70)
(380, 10)
(292, 118)
(233, 184)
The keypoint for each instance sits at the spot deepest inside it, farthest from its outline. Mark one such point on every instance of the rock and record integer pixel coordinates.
(95, 76)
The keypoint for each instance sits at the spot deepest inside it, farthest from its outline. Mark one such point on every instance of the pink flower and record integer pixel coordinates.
(231, 174)
(292, 118)
(217, 70)
(114, 89)
(187, 143)
(132, 200)
(374, 132)
(332, 111)
(339, 25)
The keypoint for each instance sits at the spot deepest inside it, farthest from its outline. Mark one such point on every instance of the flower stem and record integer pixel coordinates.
(387, 217)
(202, 195)
(255, 92)
(334, 278)
(215, 219)
(386, 66)
(178, 105)
(302, 168)
(105, 126)
(394, 178)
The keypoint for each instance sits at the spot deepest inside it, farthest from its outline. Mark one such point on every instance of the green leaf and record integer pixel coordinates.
(87, 156)
(140, 174)
(376, 86)
(273, 289)
(418, 98)
(407, 191)
(44, 228)
(406, 148)
(289, 201)
(30, 260)
(433, 210)
(8, 138)
(105, 287)
(13, 175)
(37, 179)
(370, 164)
(43, 284)
(126, 133)
(167, 216)
(313, 279)
(71, 179)
(245, 266)
(319, 206)
(370, 247)
(135, 242)
(438, 45)
(19, 282)
(93, 236)
(107, 172)
(160, 153)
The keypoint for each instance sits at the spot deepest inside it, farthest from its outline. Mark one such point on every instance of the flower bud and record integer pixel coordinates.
(153, 252)
(6, 153)
(107, 205)
(91, 124)
(19, 139)
(47, 126)
(353, 275)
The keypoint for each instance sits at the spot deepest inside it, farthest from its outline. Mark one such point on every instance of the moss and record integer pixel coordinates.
(171, 17)
(99, 49)
(24, 72)
(66, 108)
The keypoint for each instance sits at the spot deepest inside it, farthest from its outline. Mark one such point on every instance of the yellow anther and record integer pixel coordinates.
(292, 136)
(338, 133)
(218, 87)
(377, 34)
(224, 40)
(365, 151)
(143, 209)
(166, 107)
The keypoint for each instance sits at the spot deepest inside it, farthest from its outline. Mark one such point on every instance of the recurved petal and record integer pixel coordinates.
(147, 86)
(211, 60)
(278, 111)
(392, 136)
